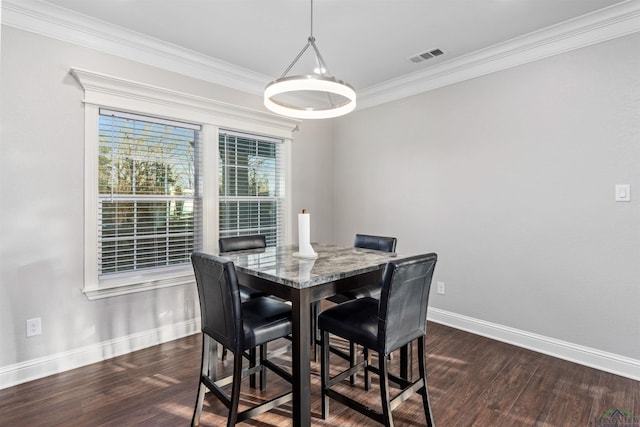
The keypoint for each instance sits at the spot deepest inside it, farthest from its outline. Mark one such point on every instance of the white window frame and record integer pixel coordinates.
(105, 91)
(275, 197)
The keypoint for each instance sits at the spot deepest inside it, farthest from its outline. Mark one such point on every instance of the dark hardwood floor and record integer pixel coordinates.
(473, 381)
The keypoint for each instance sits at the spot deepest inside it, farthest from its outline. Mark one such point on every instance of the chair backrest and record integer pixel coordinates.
(402, 315)
(220, 306)
(378, 243)
(242, 243)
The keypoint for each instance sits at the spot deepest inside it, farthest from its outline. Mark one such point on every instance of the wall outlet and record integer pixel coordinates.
(34, 327)
(623, 193)
(440, 288)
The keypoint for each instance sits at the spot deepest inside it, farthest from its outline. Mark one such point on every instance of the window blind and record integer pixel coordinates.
(148, 192)
(251, 186)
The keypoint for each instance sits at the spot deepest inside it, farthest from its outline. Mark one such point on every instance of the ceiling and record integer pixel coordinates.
(364, 42)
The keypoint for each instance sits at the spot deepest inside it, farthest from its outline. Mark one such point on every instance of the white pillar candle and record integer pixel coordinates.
(304, 235)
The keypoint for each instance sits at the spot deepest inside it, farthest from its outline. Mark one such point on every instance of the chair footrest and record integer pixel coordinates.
(402, 382)
(406, 393)
(264, 407)
(345, 374)
(353, 404)
(278, 370)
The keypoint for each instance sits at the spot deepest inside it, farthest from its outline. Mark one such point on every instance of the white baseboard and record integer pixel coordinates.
(602, 360)
(48, 365)
(44, 366)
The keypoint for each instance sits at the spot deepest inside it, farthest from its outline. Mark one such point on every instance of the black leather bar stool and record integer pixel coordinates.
(240, 327)
(363, 241)
(244, 243)
(395, 320)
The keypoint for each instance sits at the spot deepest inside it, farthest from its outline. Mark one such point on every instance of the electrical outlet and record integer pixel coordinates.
(441, 288)
(34, 327)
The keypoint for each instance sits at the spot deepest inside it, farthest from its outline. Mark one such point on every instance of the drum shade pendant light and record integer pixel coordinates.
(324, 96)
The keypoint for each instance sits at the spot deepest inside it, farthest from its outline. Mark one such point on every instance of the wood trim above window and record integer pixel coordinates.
(114, 92)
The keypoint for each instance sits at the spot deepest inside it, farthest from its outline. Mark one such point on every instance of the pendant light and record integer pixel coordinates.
(324, 96)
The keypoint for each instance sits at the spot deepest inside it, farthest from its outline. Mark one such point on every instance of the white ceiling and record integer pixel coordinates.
(364, 42)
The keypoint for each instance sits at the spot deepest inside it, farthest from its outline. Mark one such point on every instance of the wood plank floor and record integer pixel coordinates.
(473, 381)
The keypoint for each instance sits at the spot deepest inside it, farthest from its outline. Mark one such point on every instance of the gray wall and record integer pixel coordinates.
(41, 196)
(312, 178)
(510, 179)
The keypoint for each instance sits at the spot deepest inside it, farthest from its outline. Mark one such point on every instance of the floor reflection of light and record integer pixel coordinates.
(160, 380)
(118, 368)
(446, 359)
(121, 366)
(167, 379)
(182, 411)
(155, 382)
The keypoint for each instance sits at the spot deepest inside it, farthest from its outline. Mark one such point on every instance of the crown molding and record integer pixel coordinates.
(596, 27)
(51, 21)
(69, 26)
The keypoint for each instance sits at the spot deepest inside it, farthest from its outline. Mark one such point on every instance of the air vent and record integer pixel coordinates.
(426, 55)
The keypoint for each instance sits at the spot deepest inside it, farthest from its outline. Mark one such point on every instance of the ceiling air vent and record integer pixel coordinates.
(426, 55)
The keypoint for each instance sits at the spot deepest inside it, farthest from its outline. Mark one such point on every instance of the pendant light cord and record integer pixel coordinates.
(310, 42)
(311, 34)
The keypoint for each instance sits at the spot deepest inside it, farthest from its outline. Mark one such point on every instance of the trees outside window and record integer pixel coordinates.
(251, 186)
(147, 192)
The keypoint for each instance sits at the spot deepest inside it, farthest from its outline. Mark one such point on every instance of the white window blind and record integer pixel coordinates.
(148, 193)
(251, 180)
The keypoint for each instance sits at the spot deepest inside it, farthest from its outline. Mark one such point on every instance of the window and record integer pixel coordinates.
(251, 186)
(148, 197)
(152, 190)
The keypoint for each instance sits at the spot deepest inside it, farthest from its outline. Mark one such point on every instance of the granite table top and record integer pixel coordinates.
(278, 264)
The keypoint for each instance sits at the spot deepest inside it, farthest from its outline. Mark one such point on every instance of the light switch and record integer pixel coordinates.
(623, 193)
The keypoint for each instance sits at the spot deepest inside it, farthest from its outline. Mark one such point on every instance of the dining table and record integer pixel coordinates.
(282, 272)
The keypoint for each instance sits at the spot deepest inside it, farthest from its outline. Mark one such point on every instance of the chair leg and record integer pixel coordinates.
(423, 374)
(235, 390)
(353, 360)
(405, 362)
(384, 390)
(209, 360)
(253, 357)
(263, 370)
(324, 371)
(195, 421)
(367, 379)
(204, 368)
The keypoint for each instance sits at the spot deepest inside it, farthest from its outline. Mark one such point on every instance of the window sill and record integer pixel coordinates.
(109, 291)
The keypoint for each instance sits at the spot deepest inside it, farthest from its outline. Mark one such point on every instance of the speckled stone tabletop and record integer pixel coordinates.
(278, 264)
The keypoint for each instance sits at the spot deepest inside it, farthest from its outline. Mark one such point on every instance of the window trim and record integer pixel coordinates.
(105, 91)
